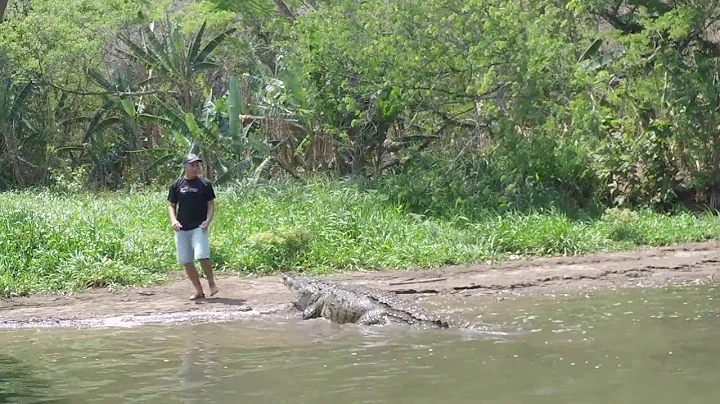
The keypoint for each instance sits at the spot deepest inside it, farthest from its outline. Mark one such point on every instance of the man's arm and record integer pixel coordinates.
(172, 204)
(171, 211)
(210, 211)
(210, 198)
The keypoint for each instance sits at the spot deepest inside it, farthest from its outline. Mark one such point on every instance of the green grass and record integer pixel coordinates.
(53, 242)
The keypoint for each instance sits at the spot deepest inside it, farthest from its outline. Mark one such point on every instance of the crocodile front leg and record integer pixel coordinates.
(313, 310)
(373, 317)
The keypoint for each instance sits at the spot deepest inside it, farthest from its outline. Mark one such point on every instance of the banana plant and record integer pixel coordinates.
(278, 94)
(172, 64)
(229, 150)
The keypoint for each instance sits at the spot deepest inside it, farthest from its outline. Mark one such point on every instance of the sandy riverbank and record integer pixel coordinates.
(244, 296)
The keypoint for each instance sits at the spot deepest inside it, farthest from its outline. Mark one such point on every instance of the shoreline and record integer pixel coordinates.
(258, 296)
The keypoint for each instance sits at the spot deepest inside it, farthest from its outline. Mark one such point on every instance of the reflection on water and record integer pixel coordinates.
(18, 384)
(655, 346)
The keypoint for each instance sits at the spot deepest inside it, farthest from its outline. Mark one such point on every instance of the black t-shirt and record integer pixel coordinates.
(192, 197)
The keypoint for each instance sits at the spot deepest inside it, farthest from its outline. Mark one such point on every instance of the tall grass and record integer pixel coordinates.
(66, 242)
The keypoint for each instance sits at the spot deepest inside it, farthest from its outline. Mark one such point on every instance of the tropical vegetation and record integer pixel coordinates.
(424, 133)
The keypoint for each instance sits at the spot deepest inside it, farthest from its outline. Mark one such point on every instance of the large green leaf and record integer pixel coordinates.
(210, 47)
(195, 44)
(128, 107)
(98, 79)
(139, 54)
(160, 51)
(192, 125)
(234, 107)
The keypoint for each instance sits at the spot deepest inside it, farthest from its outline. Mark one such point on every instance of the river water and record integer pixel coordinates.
(643, 345)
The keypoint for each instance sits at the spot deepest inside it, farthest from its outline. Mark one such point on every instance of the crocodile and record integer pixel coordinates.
(344, 303)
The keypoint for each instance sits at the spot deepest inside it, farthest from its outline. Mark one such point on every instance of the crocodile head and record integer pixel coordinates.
(306, 291)
(294, 283)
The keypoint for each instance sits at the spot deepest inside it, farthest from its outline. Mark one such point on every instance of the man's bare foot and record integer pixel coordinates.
(213, 290)
(197, 296)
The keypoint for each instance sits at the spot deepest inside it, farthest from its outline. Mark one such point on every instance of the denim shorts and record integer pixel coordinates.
(192, 245)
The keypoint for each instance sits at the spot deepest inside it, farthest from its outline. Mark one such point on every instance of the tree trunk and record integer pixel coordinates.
(282, 8)
(3, 7)
(11, 156)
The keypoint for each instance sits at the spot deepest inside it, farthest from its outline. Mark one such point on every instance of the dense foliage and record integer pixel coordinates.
(437, 123)
(460, 105)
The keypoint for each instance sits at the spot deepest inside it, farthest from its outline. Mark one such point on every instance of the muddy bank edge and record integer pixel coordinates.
(243, 297)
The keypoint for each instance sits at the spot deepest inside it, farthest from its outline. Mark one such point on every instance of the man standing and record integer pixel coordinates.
(191, 205)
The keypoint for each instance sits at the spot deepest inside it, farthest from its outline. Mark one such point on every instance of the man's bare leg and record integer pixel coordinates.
(195, 279)
(207, 269)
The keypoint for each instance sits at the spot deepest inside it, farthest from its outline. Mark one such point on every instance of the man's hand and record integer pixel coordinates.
(204, 225)
(173, 219)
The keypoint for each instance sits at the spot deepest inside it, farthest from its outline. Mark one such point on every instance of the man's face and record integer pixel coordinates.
(191, 169)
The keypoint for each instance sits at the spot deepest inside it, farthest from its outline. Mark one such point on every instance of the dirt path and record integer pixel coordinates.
(243, 296)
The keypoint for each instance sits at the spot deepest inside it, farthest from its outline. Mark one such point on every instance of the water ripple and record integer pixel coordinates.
(603, 348)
